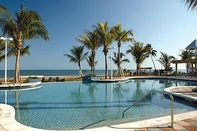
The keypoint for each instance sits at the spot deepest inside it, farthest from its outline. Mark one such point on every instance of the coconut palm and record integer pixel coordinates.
(105, 39)
(77, 56)
(27, 25)
(165, 60)
(118, 61)
(121, 36)
(91, 62)
(12, 50)
(2, 47)
(139, 53)
(185, 54)
(152, 53)
(191, 4)
(91, 42)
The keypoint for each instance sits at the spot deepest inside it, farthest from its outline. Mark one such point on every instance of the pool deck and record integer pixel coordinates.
(182, 122)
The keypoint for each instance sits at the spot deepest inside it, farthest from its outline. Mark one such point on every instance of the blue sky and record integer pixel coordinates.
(166, 24)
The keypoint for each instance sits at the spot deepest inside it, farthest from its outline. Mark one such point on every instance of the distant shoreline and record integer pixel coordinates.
(27, 79)
(52, 73)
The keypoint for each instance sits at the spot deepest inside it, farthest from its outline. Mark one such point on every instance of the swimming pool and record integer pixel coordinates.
(76, 105)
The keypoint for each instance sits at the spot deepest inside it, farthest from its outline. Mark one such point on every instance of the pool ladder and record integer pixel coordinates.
(150, 92)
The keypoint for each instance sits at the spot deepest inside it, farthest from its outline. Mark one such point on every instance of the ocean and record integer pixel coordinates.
(10, 73)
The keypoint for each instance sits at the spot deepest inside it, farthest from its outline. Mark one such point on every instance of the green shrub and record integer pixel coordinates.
(156, 72)
(194, 89)
(91, 75)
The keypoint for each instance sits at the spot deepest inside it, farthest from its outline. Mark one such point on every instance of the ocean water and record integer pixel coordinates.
(10, 73)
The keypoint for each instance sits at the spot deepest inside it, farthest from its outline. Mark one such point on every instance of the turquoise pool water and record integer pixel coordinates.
(76, 105)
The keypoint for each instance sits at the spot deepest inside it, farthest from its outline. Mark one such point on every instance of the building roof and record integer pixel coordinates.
(192, 61)
(192, 45)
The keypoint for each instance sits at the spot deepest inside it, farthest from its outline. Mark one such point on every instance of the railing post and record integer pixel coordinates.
(172, 108)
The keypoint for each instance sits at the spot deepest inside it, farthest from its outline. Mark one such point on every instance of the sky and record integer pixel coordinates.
(165, 24)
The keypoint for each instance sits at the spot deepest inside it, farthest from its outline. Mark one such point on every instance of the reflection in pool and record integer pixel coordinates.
(77, 105)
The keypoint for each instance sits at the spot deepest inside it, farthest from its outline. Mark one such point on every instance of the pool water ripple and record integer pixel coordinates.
(76, 105)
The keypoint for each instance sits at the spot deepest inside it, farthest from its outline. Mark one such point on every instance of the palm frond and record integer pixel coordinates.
(191, 4)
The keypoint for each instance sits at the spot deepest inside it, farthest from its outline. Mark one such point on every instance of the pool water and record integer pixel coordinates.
(77, 105)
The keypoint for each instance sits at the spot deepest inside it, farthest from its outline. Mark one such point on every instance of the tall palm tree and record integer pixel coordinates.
(185, 54)
(91, 62)
(152, 53)
(12, 50)
(139, 53)
(77, 56)
(121, 36)
(165, 60)
(118, 61)
(191, 4)
(2, 47)
(105, 39)
(90, 40)
(27, 25)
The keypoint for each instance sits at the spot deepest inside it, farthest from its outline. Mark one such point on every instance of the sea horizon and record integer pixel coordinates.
(51, 72)
(59, 72)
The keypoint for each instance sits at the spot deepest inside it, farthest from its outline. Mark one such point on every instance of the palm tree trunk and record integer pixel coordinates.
(153, 62)
(17, 62)
(105, 50)
(91, 69)
(17, 73)
(119, 70)
(106, 71)
(138, 66)
(80, 70)
(93, 55)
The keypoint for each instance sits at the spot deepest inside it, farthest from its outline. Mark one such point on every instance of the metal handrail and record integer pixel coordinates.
(150, 92)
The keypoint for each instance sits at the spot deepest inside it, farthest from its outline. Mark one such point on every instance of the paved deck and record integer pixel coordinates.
(182, 122)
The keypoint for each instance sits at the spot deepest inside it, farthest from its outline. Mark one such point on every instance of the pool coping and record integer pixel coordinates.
(8, 122)
(22, 86)
(183, 92)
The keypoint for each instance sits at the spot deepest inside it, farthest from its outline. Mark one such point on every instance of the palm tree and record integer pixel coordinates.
(12, 50)
(26, 26)
(139, 53)
(2, 47)
(191, 4)
(118, 61)
(91, 63)
(121, 36)
(77, 56)
(165, 60)
(185, 54)
(105, 39)
(152, 53)
(91, 42)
